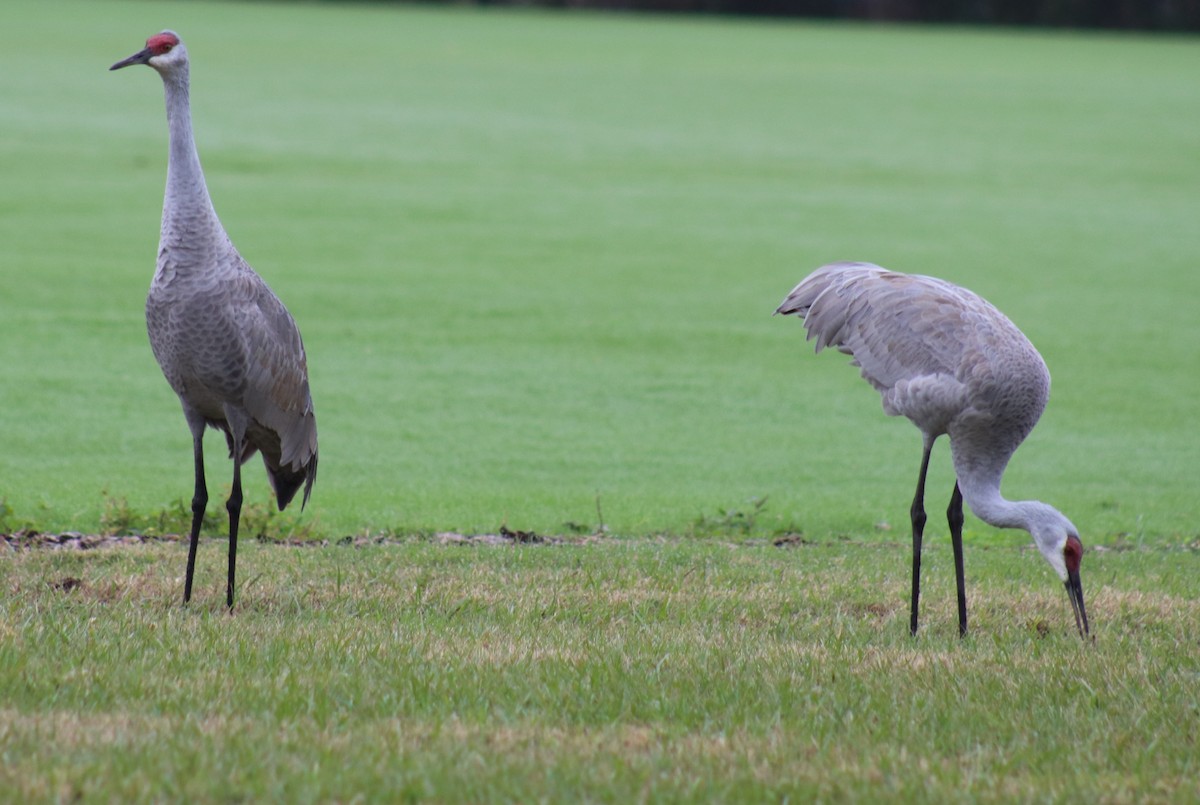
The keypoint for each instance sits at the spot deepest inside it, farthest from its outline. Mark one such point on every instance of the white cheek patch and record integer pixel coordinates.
(1057, 561)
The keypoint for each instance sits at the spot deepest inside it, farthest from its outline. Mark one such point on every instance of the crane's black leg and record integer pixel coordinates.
(917, 512)
(234, 506)
(199, 501)
(955, 516)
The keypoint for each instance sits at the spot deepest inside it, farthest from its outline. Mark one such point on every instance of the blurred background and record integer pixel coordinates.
(1157, 15)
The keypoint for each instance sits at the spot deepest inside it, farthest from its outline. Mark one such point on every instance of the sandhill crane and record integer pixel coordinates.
(227, 345)
(955, 365)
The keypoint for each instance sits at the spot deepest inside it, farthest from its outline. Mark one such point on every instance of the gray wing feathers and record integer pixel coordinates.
(935, 352)
(892, 324)
(276, 392)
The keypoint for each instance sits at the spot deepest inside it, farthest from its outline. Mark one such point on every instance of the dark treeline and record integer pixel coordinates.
(1150, 15)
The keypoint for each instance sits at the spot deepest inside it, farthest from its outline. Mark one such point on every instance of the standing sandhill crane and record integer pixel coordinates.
(955, 365)
(227, 345)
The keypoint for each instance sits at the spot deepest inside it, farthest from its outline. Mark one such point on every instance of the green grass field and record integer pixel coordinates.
(534, 258)
(612, 670)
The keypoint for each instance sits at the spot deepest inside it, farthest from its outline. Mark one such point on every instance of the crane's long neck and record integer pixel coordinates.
(982, 494)
(979, 472)
(979, 464)
(189, 222)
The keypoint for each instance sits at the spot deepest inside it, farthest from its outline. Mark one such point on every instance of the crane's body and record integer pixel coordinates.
(226, 344)
(954, 365)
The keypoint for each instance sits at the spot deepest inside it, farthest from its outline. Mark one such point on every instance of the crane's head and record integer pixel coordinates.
(164, 52)
(1059, 542)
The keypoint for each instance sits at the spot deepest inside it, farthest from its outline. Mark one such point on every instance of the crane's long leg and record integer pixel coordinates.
(955, 517)
(237, 421)
(917, 512)
(234, 506)
(199, 501)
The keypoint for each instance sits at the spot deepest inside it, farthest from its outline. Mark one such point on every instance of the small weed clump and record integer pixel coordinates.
(258, 521)
(730, 521)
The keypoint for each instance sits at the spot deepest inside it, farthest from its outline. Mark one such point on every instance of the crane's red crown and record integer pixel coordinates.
(1073, 553)
(161, 43)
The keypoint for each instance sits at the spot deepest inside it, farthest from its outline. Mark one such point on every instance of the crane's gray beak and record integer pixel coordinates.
(141, 57)
(1075, 593)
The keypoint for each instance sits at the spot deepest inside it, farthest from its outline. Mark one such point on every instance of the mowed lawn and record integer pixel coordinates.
(534, 258)
(609, 670)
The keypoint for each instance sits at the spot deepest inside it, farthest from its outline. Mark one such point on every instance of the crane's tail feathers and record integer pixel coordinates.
(286, 482)
(308, 484)
(295, 463)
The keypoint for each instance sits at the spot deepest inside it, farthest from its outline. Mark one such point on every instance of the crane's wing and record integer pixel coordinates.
(896, 326)
(276, 393)
(937, 353)
(926, 345)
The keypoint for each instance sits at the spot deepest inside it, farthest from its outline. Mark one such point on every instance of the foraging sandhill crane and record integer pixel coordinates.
(955, 365)
(227, 345)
